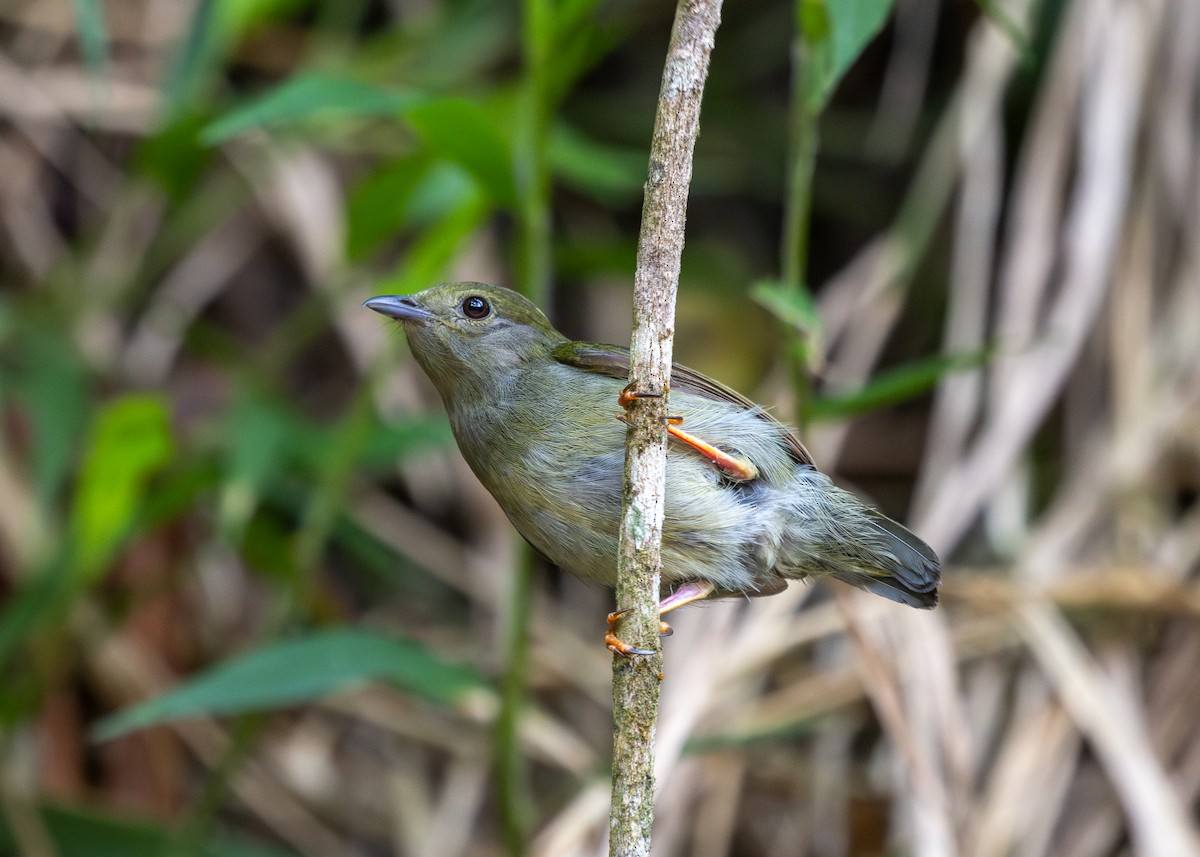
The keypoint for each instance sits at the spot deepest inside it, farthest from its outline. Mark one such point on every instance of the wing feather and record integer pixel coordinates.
(613, 361)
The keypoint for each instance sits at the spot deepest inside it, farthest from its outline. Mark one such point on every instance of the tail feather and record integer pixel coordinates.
(914, 576)
(883, 557)
(830, 532)
(892, 590)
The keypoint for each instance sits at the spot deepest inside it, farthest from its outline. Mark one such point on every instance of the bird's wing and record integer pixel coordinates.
(613, 361)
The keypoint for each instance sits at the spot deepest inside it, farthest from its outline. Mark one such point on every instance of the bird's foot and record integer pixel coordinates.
(692, 590)
(735, 467)
(629, 396)
(619, 647)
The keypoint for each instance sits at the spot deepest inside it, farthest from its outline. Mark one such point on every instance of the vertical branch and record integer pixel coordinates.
(660, 248)
(797, 208)
(530, 168)
(532, 176)
(803, 141)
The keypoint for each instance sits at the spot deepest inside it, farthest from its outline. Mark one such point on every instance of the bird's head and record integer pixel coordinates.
(468, 336)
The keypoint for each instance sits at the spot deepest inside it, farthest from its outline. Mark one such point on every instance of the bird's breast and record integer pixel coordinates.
(554, 460)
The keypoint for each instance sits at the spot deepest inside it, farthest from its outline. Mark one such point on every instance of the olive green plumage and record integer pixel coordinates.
(533, 415)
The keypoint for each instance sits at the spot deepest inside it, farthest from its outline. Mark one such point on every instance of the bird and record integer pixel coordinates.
(746, 509)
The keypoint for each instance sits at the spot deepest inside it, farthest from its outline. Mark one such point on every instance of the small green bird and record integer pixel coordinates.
(746, 509)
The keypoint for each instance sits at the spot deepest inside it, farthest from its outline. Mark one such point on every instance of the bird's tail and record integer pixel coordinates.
(903, 567)
(832, 533)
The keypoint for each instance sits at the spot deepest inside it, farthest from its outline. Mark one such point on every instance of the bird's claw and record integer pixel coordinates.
(629, 396)
(619, 647)
(689, 591)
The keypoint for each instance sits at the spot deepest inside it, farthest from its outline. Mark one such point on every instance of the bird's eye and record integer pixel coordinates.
(476, 307)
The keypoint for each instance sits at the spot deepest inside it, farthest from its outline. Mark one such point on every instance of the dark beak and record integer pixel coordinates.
(399, 308)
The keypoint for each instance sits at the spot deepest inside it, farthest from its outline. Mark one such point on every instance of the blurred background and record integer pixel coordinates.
(253, 603)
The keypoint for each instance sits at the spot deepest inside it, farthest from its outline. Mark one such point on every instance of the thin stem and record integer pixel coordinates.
(532, 178)
(803, 144)
(531, 170)
(197, 831)
(513, 800)
(660, 249)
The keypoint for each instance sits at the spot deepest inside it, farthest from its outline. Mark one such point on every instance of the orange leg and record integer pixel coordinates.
(735, 467)
(693, 590)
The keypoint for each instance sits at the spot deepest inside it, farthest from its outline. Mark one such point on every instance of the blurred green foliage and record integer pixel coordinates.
(73, 833)
(128, 441)
(302, 670)
(169, 394)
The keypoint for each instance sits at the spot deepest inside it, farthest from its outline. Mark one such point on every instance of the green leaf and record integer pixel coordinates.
(413, 191)
(835, 33)
(259, 434)
(81, 833)
(310, 96)
(388, 443)
(36, 602)
(897, 385)
(573, 15)
(130, 439)
(607, 173)
(791, 304)
(591, 255)
(194, 60)
(1008, 25)
(454, 129)
(301, 670)
(446, 189)
(236, 17)
(93, 35)
(428, 256)
(173, 157)
(814, 21)
(214, 28)
(715, 742)
(378, 205)
(463, 132)
(268, 441)
(52, 382)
